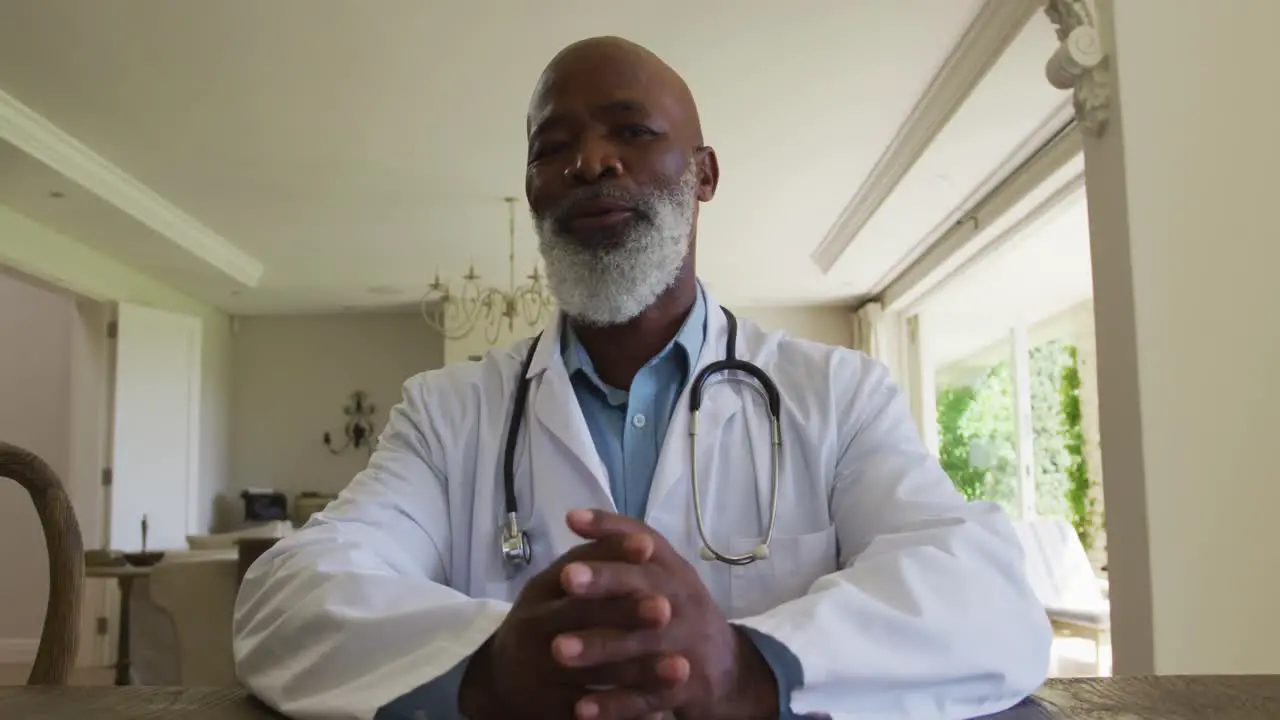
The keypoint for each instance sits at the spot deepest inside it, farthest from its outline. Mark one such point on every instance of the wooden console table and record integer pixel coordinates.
(124, 575)
(251, 549)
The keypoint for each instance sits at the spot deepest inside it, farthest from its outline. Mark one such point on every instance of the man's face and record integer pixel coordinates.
(612, 183)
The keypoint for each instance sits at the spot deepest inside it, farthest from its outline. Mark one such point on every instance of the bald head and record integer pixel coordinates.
(620, 64)
(617, 167)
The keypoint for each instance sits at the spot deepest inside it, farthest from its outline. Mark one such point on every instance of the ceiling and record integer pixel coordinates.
(1041, 271)
(348, 151)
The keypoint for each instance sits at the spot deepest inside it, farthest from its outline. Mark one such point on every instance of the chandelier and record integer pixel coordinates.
(456, 315)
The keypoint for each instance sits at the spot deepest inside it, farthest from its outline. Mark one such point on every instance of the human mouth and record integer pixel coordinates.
(595, 214)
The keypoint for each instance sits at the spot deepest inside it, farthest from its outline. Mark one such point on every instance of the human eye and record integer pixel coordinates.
(546, 148)
(635, 131)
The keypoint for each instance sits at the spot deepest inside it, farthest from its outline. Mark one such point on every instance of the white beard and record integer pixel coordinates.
(613, 284)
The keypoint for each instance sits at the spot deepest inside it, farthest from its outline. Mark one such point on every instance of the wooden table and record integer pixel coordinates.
(248, 550)
(1163, 698)
(124, 575)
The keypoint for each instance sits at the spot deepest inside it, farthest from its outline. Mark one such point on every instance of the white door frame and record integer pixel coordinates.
(107, 599)
(194, 381)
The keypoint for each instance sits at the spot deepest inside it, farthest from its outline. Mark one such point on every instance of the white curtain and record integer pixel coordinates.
(866, 324)
(898, 342)
(881, 335)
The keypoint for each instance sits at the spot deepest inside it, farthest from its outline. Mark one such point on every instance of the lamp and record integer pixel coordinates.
(359, 428)
(457, 315)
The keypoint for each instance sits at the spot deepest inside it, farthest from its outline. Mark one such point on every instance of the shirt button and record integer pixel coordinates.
(638, 420)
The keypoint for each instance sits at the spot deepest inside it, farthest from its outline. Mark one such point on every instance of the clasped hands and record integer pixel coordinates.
(617, 628)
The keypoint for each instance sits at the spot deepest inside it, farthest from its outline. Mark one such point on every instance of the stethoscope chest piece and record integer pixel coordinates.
(517, 553)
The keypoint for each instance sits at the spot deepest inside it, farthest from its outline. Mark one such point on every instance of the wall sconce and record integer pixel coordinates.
(359, 429)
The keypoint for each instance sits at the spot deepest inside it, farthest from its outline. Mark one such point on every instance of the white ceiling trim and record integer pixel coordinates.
(1025, 224)
(995, 26)
(33, 134)
(1055, 125)
(970, 242)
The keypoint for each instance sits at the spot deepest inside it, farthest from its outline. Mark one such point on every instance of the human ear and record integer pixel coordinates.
(708, 172)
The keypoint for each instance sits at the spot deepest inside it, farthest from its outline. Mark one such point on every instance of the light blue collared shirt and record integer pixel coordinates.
(628, 426)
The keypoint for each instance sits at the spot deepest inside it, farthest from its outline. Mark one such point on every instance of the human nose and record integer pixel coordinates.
(596, 160)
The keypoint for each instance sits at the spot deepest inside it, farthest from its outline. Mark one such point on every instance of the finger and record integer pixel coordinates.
(605, 645)
(600, 524)
(649, 674)
(622, 613)
(597, 524)
(625, 547)
(624, 703)
(607, 579)
(619, 548)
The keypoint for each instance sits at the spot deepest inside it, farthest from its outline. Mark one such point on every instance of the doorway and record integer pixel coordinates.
(1010, 355)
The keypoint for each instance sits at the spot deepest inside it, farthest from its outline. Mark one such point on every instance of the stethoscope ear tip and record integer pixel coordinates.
(761, 552)
(706, 554)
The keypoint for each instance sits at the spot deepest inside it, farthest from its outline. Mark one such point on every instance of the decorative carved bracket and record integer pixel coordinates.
(1080, 63)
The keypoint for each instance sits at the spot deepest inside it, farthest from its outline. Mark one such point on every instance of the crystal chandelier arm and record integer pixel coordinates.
(456, 316)
(533, 304)
(495, 312)
(446, 314)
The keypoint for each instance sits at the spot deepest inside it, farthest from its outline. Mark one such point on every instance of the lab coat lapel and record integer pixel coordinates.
(560, 417)
(718, 406)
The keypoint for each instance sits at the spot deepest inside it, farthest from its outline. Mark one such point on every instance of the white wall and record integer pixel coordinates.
(292, 377)
(1182, 212)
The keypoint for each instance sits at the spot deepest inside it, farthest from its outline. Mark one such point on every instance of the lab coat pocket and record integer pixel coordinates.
(794, 563)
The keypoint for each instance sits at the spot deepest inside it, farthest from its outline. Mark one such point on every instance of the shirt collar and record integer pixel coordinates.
(686, 346)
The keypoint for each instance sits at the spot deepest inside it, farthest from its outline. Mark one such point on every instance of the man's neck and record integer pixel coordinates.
(619, 351)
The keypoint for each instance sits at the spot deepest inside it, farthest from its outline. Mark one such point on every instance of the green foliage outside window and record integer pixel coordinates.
(978, 438)
(1079, 499)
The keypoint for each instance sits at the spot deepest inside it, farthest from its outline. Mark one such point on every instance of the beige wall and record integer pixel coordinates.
(36, 327)
(1181, 202)
(477, 343)
(825, 324)
(831, 325)
(215, 414)
(292, 377)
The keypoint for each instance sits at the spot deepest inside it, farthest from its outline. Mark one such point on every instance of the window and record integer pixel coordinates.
(1043, 466)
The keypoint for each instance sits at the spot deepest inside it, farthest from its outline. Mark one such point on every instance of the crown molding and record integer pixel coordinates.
(1052, 128)
(995, 26)
(33, 134)
(1080, 64)
(1071, 189)
(986, 225)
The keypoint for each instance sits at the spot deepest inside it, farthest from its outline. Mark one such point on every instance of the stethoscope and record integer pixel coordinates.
(517, 552)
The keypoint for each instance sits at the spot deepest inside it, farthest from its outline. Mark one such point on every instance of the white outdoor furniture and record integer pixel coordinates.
(1064, 581)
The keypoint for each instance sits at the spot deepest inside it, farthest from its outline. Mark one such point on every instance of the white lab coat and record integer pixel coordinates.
(900, 599)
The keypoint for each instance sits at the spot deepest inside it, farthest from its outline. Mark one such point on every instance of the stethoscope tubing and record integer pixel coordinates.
(515, 546)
